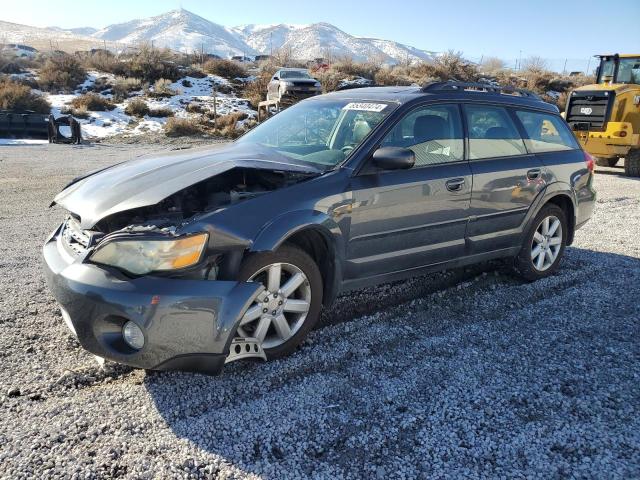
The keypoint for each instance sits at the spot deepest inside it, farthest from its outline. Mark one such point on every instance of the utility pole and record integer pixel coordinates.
(519, 61)
(564, 69)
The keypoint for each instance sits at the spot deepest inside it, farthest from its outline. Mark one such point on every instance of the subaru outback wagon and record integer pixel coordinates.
(187, 261)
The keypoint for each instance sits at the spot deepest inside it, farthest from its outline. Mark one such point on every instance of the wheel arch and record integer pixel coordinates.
(560, 194)
(316, 234)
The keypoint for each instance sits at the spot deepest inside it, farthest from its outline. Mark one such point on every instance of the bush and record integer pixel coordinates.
(137, 107)
(452, 66)
(225, 68)
(149, 64)
(17, 97)
(348, 67)
(231, 119)
(161, 112)
(256, 90)
(177, 127)
(61, 72)
(76, 112)
(101, 60)
(125, 85)
(392, 77)
(194, 108)
(162, 88)
(92, 102)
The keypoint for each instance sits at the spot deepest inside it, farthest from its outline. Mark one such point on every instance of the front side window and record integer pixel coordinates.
(322, 132)
(547, 133)
(433, 132)
(492, 133)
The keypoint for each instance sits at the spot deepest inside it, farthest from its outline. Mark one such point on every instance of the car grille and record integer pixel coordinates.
(75, 240)
(589, 110)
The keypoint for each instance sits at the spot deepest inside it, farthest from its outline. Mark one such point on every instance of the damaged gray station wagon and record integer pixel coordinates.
(187, 261)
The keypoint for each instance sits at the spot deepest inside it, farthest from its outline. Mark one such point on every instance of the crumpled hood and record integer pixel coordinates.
(146, 181)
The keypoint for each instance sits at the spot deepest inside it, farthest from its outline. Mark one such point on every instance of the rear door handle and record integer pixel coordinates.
(534, 173)
(455, 184)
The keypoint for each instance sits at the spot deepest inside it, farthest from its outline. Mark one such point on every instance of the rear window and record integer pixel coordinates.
(547, 133)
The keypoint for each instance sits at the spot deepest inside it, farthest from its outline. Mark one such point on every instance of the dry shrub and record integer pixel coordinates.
(137, 108)
(149, 64)
(61, 72)
(76, 112)
(125, 85)
(231, 119)
(160, 112)
(178, 127)
(225, 68)
(347, 66)
(92, 102)
(194, 107)
(392, 77)
(256, 90)
(101, 60)
(19, 98)
(452, 66)
(162, 88)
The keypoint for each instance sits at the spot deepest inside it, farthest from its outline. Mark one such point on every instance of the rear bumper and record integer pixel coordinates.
(609, 143)
(187, 324)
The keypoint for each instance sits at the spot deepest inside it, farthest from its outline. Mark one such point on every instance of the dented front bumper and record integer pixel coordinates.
(187, 324)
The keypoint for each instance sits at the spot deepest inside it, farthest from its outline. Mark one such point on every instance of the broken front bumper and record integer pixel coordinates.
(187, 324)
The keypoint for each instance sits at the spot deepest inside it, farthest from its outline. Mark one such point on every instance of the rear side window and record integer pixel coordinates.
(492, 133)
(547, 133)
(433, 132)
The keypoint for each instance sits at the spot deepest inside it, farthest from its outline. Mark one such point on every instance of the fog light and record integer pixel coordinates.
(133, 335)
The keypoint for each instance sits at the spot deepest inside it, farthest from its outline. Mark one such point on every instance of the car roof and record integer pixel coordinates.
(414, 93)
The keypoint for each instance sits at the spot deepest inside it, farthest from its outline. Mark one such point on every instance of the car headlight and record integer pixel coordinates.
(144, 256)
(317, 85)
(287, 84)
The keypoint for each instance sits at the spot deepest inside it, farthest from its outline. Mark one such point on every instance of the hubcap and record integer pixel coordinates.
(280, 310)
(546, 244)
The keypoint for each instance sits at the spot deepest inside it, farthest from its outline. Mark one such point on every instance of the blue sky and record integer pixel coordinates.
(553, 29)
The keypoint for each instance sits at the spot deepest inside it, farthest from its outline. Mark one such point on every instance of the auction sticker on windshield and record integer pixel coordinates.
(365, 107)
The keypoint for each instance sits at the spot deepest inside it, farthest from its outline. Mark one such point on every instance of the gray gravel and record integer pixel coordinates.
(471, 373)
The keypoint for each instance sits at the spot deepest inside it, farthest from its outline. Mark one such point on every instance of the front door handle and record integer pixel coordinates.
(455, 184)
(534, 173)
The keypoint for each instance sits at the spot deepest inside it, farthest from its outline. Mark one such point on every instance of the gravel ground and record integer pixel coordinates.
(471, 373)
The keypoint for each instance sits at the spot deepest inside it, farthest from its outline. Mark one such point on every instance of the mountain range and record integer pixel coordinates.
(185, 31)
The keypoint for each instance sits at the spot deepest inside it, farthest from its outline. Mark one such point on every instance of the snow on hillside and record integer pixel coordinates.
(179, 30)
(116, 121)
(324, 40)
(185, 31)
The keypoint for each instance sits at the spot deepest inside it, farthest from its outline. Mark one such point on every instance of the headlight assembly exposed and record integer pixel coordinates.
(144, 256)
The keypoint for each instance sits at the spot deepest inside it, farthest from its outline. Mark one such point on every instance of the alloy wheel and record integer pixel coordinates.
(281, 309)
(547, 242)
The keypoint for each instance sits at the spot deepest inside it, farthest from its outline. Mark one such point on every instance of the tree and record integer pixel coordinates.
(492, 65)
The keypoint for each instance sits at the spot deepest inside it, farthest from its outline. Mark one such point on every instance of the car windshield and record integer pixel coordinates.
(294, 74)
(321, 132)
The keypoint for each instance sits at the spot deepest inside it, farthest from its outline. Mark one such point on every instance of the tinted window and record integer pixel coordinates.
(547, 133)
(492, 133)
(434, 133)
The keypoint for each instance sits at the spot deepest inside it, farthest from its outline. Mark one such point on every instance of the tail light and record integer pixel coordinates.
(589, 160)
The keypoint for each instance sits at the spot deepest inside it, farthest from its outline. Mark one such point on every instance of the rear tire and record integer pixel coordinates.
(632, 163)
(291, 261)
(546, 240)
(606, 162)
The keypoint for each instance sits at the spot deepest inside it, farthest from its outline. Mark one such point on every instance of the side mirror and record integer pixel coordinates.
(276, 78)
(394, 158)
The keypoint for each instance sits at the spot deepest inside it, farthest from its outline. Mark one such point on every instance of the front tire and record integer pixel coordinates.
(282, 316)
(632, 163)
(544, 244)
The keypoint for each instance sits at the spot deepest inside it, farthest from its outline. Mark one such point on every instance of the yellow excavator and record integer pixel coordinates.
(605, 117)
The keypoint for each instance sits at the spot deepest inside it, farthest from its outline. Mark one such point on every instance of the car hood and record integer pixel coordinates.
(149, 180)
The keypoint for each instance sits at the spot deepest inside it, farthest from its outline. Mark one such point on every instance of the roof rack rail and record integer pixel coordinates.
(480, 88)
